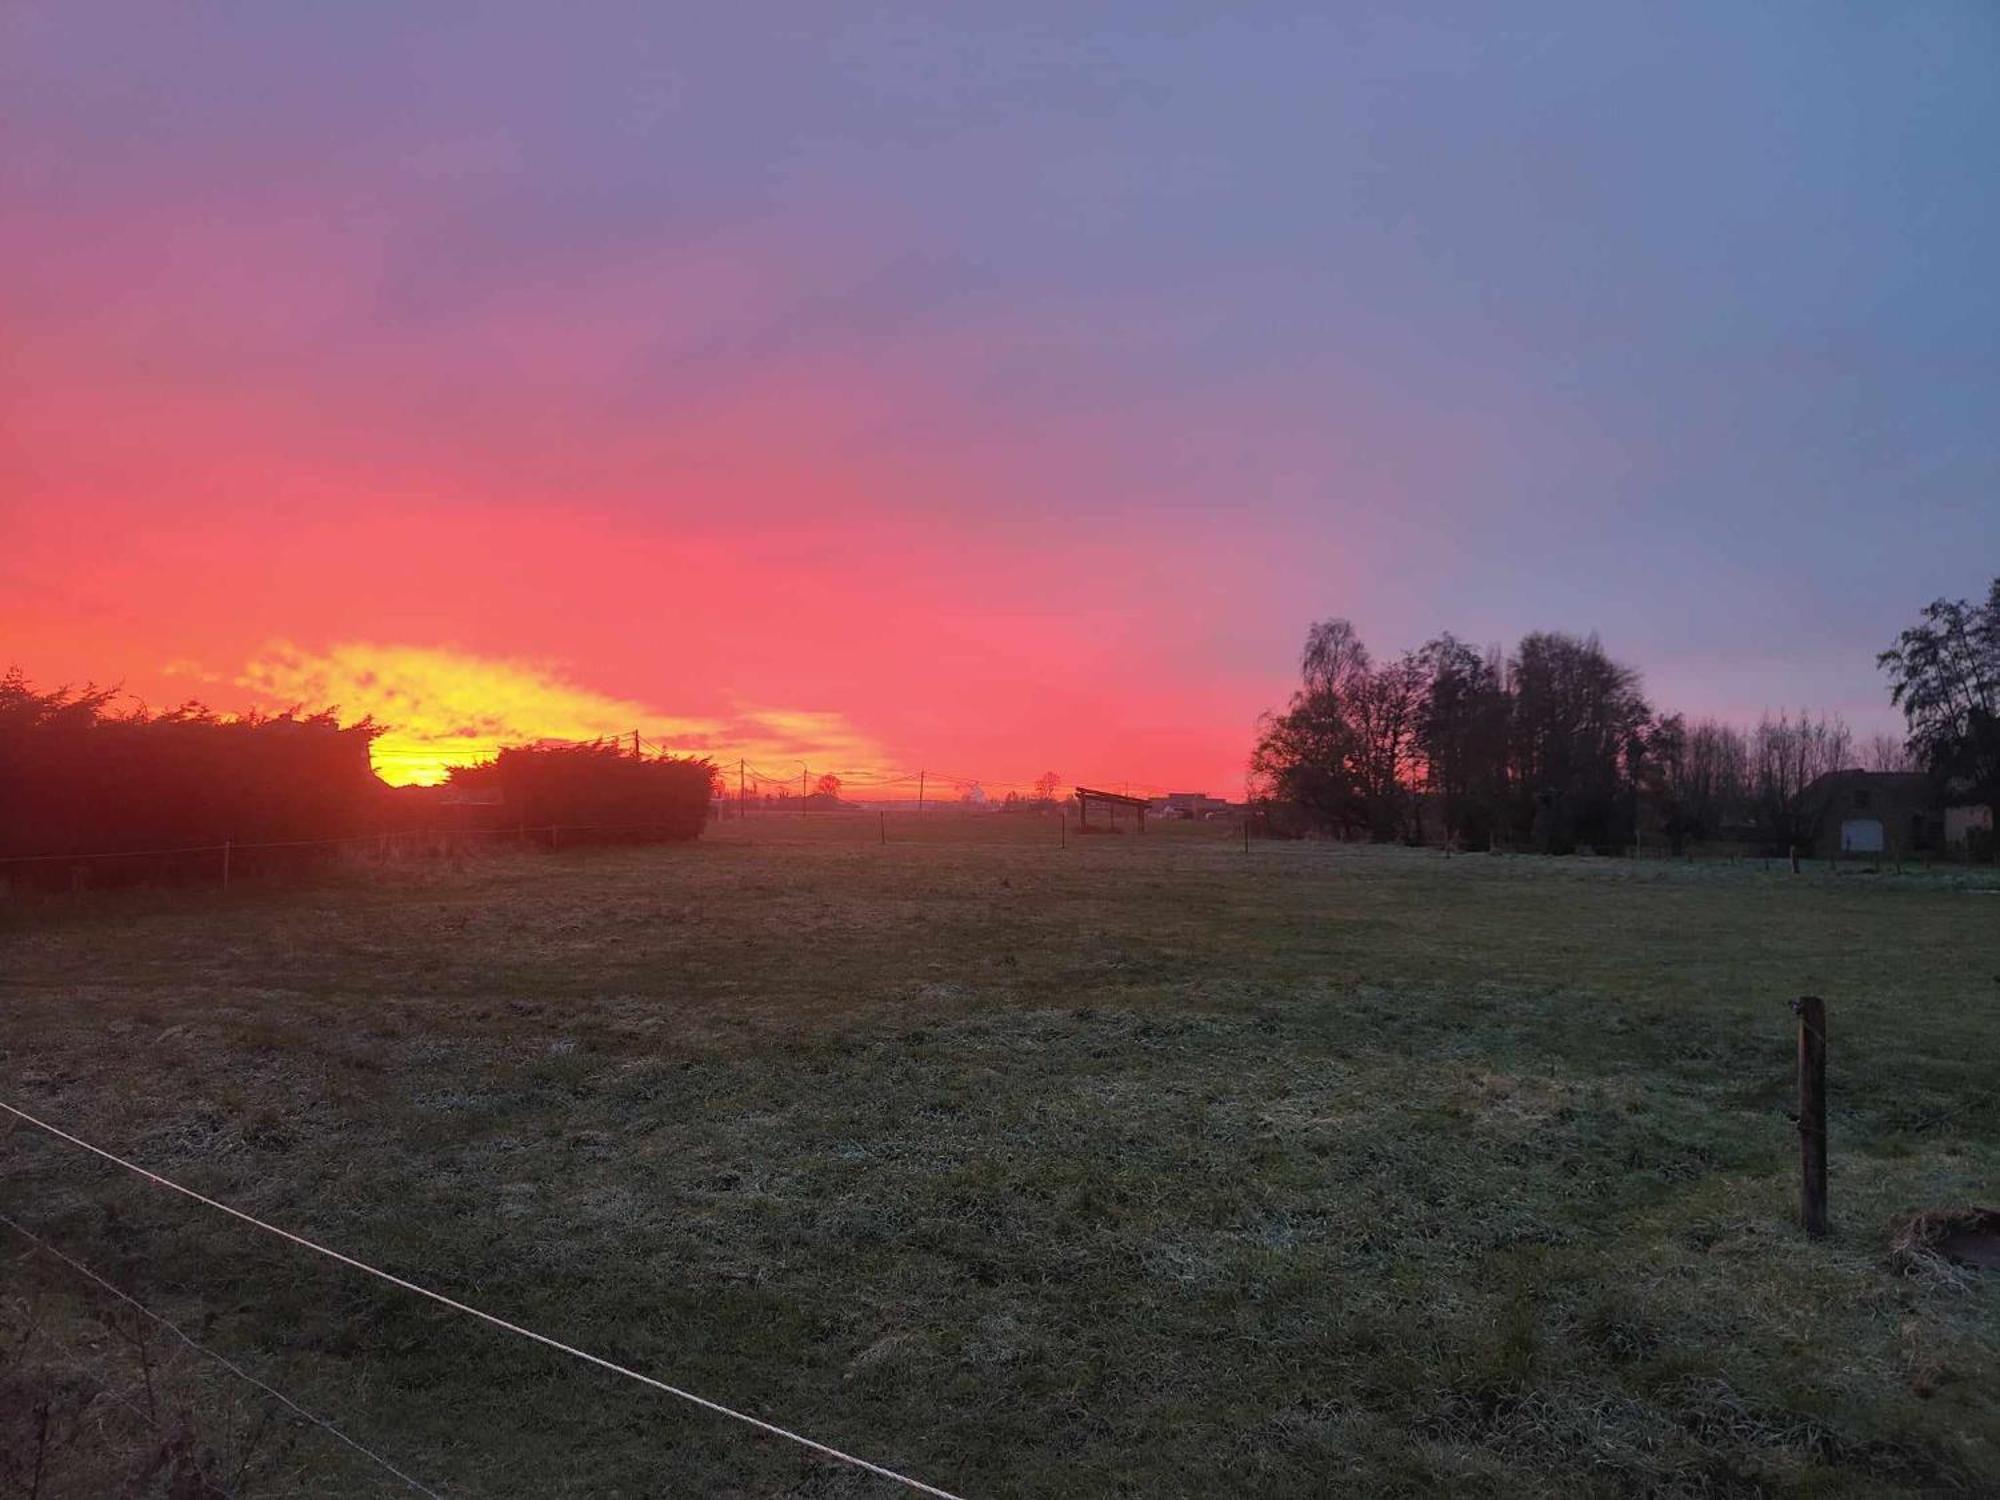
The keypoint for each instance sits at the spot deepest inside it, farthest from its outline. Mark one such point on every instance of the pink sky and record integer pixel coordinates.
(1001, 398)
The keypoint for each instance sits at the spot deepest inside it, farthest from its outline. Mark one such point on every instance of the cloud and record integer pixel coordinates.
(445, 707)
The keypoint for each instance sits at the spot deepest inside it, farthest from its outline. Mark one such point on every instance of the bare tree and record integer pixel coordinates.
(1334, 661)
(1884, 752)
(1788, 755)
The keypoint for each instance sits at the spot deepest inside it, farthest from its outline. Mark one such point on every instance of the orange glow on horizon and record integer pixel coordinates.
(443, 707)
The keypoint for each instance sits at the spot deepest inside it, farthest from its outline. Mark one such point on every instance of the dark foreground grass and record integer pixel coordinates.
(1142, 1168)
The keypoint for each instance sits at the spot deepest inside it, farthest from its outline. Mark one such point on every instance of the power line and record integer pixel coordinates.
(485, 1317)
(235, 1369)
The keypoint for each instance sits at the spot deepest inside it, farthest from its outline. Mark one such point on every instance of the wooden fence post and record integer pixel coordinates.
(225, 862)
(1811, 1011)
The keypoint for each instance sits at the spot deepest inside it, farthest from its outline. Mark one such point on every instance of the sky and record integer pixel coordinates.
(986, 389)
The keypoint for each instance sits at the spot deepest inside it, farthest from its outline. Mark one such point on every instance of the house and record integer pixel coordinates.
(1968, 827)
(1873, 812)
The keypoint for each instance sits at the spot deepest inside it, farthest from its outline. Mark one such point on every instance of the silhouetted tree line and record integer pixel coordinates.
(78, 777)
(597, 793)
(1709, 780)
(1043, 799)
(1545, 745)
(1552, 745)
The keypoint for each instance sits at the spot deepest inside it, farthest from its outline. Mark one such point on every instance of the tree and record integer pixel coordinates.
(1334, 661)
(1461, 736)
(1696, 780)
(1046, 786)
(1383, 708)
(828, 786)
(1717, 774)
(1313, 754)
(1787, 756)
(1885, 752)
(1557, 745)
(1576, 741)
(1304, 756)
(1944, 674)
(1664, 782)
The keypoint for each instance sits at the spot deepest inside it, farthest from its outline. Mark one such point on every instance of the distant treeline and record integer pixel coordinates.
(1553, 745)
(80, 778)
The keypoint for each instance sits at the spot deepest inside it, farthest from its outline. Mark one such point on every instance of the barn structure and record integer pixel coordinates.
(1874, 812)
(1109, 803)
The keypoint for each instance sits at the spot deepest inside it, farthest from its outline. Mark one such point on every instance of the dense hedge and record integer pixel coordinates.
(596, 793)
(77, 778)
(80, 781)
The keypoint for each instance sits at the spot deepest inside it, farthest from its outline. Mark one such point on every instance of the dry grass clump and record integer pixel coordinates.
(1952, 1245)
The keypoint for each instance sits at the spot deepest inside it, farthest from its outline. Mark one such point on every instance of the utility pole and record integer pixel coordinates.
(920, 792)
(741, 805)
(802, 788)
(635, 745)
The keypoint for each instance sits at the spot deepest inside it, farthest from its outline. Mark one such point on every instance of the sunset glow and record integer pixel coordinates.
(562, 387)
(444, 708)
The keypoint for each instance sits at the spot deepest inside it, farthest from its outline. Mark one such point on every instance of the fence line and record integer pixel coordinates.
(825, 1449)
(228, 1364)
(389, 835)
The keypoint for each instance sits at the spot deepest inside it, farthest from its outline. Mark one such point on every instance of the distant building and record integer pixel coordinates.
(1189, 805)
(1873, 812)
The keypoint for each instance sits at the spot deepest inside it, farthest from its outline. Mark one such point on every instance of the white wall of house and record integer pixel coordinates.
(1861, 836)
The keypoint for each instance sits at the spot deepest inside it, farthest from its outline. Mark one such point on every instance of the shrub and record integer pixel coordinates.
(79, 778)
(595, 793)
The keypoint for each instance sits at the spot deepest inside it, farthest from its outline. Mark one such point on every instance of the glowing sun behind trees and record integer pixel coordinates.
(440, 708)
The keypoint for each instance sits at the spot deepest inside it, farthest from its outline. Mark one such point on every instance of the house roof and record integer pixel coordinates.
(1913, 785)
(1896, 786)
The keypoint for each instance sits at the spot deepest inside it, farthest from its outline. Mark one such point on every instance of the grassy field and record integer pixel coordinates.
(1141, 1167)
